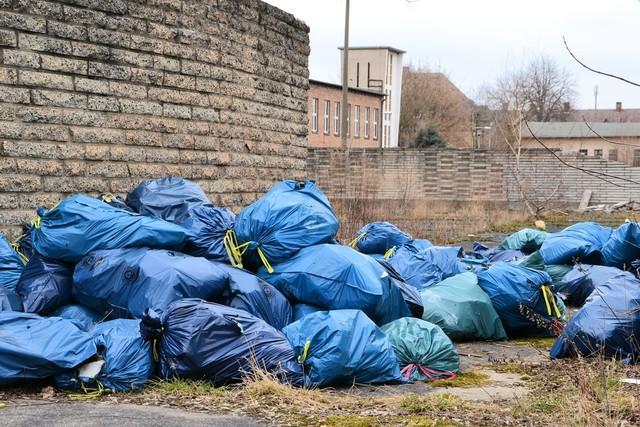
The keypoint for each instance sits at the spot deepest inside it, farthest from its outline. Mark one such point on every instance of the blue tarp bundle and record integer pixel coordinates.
(521, 296)
(10, 265)
(170, 198)
(292, 215)
(379, 237)
(342, 347)
(82, 224)
(576, 286)
(409, 293)
(496, 254)
(425, 268)
(301, 310)
(336, 277)
(34, 347)
(527, 240)
(124, 283)
(45, 285)
(9, 300)
(206, 341)
(246, 291)
(623, 246)
(208, 227)
(83, 317)
(608, 324)
(581, 242)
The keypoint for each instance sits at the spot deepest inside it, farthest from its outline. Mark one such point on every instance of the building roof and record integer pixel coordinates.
(351, 89)
(605, 115)
(581, 130)
(392, 49)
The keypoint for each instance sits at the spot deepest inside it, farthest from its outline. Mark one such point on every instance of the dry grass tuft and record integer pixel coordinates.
(467, 379)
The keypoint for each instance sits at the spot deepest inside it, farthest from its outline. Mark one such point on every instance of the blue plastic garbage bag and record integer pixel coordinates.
(9, 300)
(608, 324)
(336, 277)
(208, 227)
(23, 244)
(409, 293)
(170, 198)
(123, 283)
(115, 201)
(522, 298)
(378, 237)
(246, 291)
(45, 285)
(82, 224)
(576, 286)
(527, 240)
(495, 254)
(34, 347)
(11, 265)
(342, 347)
(301, 310)
(623, 246)
(430, 266)
(83, 317)
(419, 244)
(582, 242)
(206, 341)
(292, 215)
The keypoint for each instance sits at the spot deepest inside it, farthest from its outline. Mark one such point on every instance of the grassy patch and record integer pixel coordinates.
(350, 421)
(511, 368)
(535, 403)
(541, 343)
(185, 388)
(468, 379)
(437, 402)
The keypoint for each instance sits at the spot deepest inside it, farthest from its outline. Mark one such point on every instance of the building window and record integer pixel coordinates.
(336, 119)
(613, 155)
(376, 112)
(367, 112)
(636, 158)
(583, 152)
(325, 117)
(314, 116)
(348, 119)
(597, 153)
(356, 121)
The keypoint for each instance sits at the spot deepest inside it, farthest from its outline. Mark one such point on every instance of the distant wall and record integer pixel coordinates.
(466, 175)
(97, 95)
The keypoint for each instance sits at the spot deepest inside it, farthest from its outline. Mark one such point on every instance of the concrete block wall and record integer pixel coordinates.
(98, 95)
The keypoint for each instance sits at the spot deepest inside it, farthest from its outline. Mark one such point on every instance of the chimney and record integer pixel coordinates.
(567, 107)
(618, 106)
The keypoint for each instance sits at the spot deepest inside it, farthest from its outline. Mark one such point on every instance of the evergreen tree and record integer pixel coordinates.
(429, 137)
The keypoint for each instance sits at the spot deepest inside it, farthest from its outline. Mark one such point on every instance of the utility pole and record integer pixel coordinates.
(345, 79)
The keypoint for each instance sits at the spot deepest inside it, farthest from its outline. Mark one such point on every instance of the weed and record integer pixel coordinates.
(437, 402)
(350, 421)
(542, 343)
(185, 388)
(468, 379)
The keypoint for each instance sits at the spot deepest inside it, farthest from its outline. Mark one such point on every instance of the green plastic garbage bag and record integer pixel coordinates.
(535, 261)
(526, 240)
(422, 349)
(462, 309)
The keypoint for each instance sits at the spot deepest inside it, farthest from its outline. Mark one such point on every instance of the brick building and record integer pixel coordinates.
(363, 116)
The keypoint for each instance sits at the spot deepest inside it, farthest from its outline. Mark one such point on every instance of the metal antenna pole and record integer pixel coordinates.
(345, 79)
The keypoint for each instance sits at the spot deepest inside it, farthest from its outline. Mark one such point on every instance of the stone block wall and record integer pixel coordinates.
(96, 95)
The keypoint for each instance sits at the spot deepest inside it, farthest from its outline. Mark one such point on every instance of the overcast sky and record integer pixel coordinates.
(475, 41)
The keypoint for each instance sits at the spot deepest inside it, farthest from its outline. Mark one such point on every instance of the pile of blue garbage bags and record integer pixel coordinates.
(108, 293)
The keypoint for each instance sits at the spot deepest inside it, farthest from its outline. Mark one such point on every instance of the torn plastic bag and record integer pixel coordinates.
(115, 201)
(208, 227)
(527, 240)
(425, 268)
(409, 293)
(45, 285)
(83, 317)
(34, 347)
(292, 215)
(623, 246)
(11, 265)
(607, 325)
(580, 242)
(422, 349)
(82, 224)
(576, 286)
(462, 309)
(199, 340)
(496, 254)
(336, 277)
(123, 283)
(523, 299)
(9, 300)
(342, 347)
(379, 237)
(246, 291)
(301, 310)
(170, 198)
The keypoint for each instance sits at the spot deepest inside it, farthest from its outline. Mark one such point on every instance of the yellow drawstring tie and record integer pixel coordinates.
(548, 295)
(89, 393)
(389, 253)
(108, 197)
(36, 222)
(305, 352)
(154, 350)
(355, 241)
(265, 261)
(235, 251)
(16, 247)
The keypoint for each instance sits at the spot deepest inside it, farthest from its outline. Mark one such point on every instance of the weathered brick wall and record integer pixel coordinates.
(466, 175)
(96, 95)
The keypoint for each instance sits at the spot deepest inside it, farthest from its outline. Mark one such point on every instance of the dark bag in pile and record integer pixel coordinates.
(83, 317)
(23, 245)
(208, 227)
(409, 293)
(623, 246)
(608, 324)
(292, 215)
(342, 347)
(427, 267)
(123, 283)
(199, 340)
(301, 310)
(522, 298)
(34, 347)
(336, 277)
(379, 237)
(9, 300)
(576, 286)
(494, 254)
(82, 224)
(45, 285)
(581, 242)
(169, 198)
(11, 265)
